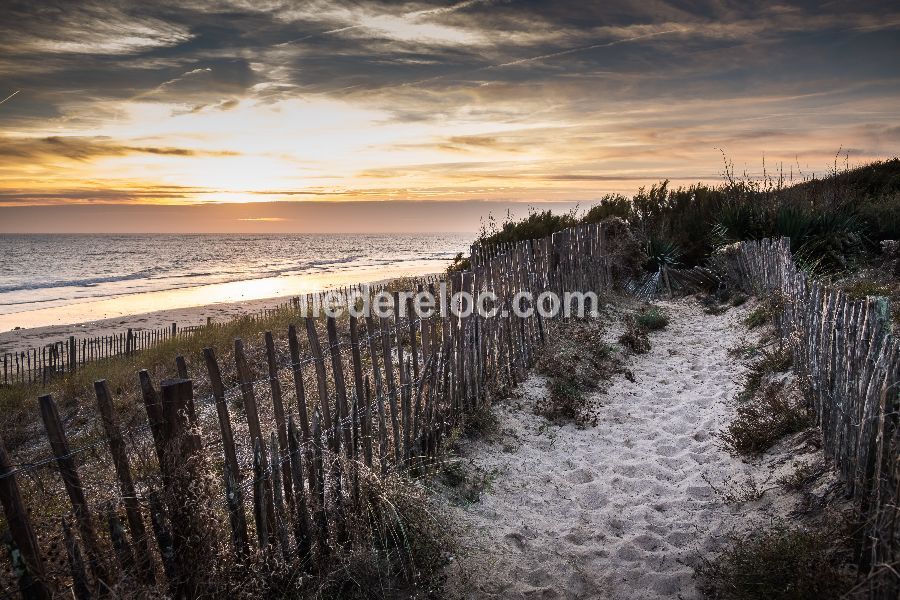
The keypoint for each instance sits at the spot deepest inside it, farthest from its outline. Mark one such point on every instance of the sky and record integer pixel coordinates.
(269, 115)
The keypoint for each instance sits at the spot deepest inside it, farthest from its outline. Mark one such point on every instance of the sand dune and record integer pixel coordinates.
(620, 510)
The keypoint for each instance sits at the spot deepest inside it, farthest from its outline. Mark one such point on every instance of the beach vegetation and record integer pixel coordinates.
(652, 318)
(575, 363)
(764, 419)
(801, 476)
(758, 317)
(738, 299)
(834, 221)
(769, 362)
(634, 338)
(459, 263)
(780, 562)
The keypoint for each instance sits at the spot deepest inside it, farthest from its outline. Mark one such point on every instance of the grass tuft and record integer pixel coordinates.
(651, 319)
(769, 363)
(758, 317)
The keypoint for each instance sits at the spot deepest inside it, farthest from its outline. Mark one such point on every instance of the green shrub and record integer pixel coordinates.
(662, 253)
(460, 263)
(651, 319)
(779, 563)
(537, 225)
(758, 317)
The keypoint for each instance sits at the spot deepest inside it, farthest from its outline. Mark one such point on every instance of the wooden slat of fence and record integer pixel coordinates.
(280, 421)
(32, 579)
(340, 387)
(144, 560)
(68, 471)
(234, 495)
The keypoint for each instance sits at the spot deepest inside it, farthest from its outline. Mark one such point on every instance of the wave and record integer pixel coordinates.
(87, 282)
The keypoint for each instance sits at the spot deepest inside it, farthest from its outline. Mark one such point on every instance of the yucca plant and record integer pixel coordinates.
(795, 223)
(662, 253)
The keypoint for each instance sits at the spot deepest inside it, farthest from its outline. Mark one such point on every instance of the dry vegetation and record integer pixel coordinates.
(808, 559)
(763, 420)
(575, 362)
(396, 543)
(639, 325)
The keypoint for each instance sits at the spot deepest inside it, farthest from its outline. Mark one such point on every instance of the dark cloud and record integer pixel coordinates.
(620, 90)
(115, 50)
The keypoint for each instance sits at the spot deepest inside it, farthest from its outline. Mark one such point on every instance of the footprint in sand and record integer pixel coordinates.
(579, 476)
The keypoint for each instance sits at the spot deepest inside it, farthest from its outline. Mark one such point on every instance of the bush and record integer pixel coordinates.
(635, 337)
(460, 263)
(739, 299)
(778, 361)
(651, 319)
(831, 221)
(537, 225)
(802, 475)
(779, 563)
(405, 543)
(575, 362)
(764, 420)
(758, 317)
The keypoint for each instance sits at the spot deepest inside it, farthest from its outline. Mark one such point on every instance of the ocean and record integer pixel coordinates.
(40, 273)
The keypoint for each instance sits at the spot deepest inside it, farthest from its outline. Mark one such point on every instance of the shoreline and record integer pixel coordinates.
(193, 314)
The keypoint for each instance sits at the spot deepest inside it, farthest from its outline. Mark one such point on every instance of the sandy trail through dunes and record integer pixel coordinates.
(619, 510)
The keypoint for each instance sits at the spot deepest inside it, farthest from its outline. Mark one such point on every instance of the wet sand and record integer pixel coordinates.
(188, 306)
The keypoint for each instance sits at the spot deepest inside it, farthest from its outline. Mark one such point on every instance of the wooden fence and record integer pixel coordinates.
(43, 363)
(292, 427)
(849, 358)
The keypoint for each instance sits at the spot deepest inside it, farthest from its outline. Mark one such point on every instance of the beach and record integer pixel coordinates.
(152, 292)
(184, 316)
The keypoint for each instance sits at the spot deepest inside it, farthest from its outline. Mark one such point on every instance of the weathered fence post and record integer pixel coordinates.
(65, 462)
(280, 422)
(72, 358)
(302, 528)
(30, 571)
(183, 490)
(80, 588)
(144, 560)
(260, 494)
(233, 494)
(340, 387)
(315, 349)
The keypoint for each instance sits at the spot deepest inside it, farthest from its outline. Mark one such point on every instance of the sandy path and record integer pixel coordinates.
(614, 511)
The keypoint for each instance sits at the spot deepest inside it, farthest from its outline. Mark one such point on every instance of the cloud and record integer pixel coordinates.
(426, 99)
(87, 148)
(85, 28)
